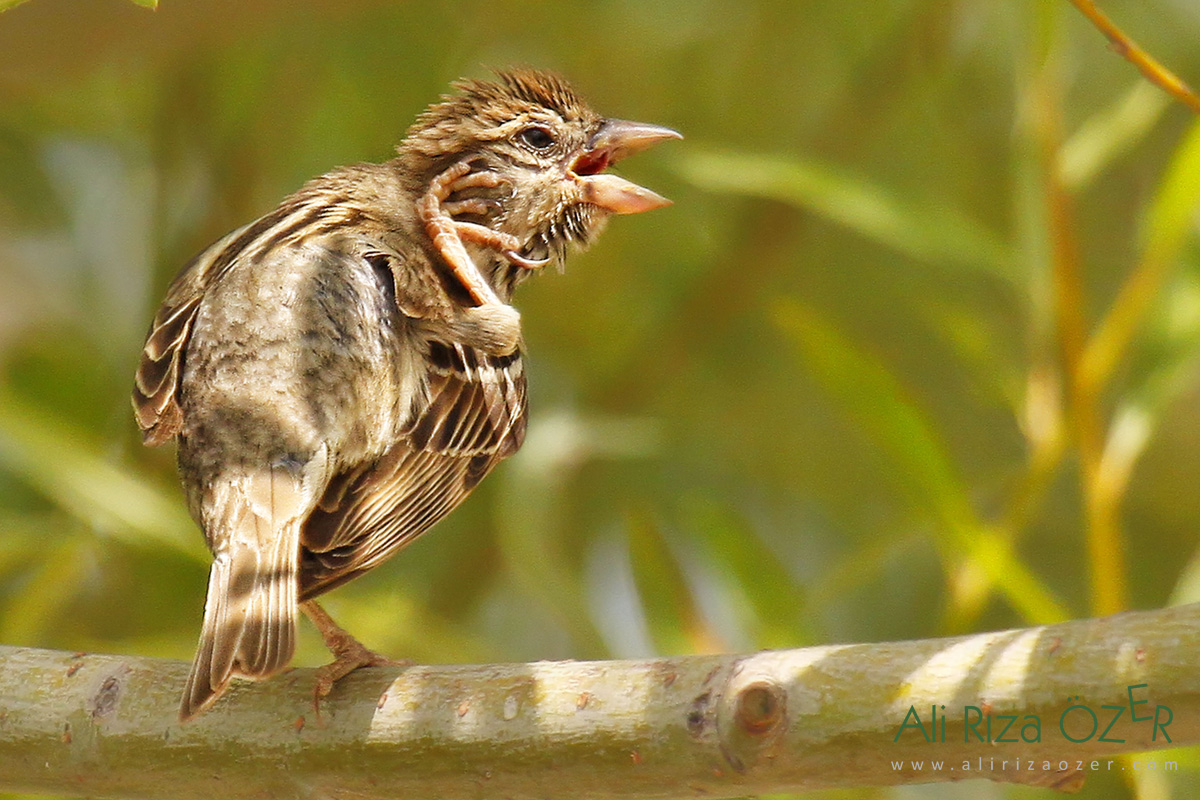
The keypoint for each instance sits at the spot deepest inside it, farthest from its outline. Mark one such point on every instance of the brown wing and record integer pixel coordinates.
(156, 383)
(473, 417)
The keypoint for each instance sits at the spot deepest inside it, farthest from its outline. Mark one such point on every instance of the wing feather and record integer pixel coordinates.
(471, 418)
(156, 384)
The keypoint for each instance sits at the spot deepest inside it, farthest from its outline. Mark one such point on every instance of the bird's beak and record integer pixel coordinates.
(616, 139)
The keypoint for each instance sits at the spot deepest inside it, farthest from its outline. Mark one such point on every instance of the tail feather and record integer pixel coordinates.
(269, 637)
(249, 624)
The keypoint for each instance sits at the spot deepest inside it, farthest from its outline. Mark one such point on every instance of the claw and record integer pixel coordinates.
(527, 263)
(448, 234)
(349, 654)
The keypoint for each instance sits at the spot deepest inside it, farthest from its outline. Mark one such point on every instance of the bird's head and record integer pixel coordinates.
(548, 146)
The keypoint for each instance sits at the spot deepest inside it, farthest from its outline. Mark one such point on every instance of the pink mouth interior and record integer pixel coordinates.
(590, 163)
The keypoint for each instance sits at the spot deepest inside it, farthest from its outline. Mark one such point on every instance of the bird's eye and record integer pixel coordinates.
(537, 137)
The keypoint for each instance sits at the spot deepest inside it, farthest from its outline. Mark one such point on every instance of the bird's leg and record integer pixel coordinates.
(444, 231)
(460, 177)
(480, 206)
(448, 234)
(506, 244)
(349, 653)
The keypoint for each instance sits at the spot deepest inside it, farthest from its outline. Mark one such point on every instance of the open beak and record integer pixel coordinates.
(616, 139)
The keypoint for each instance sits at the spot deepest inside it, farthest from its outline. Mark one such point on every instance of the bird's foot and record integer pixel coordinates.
(349, 653)
(506, 244)
(437, 212)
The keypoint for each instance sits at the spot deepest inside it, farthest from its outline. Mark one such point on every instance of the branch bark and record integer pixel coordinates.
(1153, 71)
(711, 726)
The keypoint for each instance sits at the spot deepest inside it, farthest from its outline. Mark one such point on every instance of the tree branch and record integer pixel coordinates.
(711, 726)
(1153, 71)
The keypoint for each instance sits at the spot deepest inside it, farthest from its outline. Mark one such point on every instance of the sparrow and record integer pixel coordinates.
(342, 372)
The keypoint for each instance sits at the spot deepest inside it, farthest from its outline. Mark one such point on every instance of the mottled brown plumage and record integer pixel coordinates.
(342, 372)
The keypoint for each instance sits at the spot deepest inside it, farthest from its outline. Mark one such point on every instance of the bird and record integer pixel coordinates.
(339, 374)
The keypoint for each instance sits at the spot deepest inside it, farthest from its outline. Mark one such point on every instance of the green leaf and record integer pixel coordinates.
(1171, 216)
(5, 5)
(52, 457)
(1167, 227)
(779, 604)
(864, 564)
(676, 623)
(923, 231)
(1187, 587)
(528, 526)
(48, 587)
(873, 397)
(1110, 133)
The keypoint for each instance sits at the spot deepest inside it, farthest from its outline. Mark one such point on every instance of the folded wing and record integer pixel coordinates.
(471, 417)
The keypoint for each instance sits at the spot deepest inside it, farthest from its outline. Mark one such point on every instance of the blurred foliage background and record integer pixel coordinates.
(916, 352)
